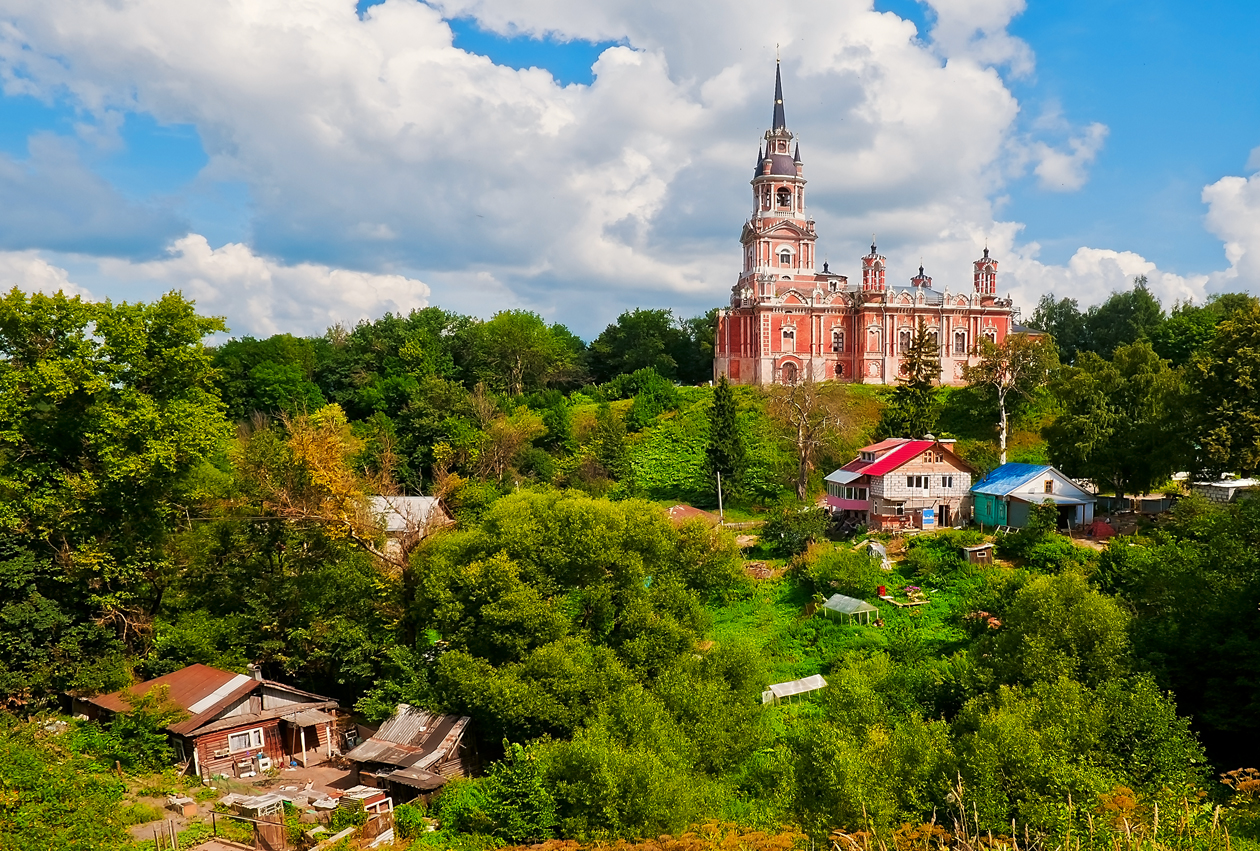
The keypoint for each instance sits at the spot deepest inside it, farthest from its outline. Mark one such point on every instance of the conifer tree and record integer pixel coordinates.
(727, 453)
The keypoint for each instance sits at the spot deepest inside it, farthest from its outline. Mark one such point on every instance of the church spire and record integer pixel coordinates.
(780, 123)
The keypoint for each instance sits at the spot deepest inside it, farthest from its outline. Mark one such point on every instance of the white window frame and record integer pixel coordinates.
(947, 482)
(254, 735)
(918, 483)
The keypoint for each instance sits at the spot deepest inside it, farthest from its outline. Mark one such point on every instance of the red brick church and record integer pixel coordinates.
(788, 320)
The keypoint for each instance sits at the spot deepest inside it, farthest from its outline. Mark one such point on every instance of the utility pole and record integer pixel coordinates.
(721, 516)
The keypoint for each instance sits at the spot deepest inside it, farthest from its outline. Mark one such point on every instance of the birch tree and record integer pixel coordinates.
(1018, 365)
(808, 419)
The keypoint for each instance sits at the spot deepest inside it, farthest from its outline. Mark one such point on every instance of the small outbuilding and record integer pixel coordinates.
(1227, 490)
(849, 607)
(780, 692)
(979, 554)
(1005, 497)
(414, 753)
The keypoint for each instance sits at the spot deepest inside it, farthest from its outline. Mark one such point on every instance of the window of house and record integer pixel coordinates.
(1049, 485)
(855, 493)
(899, 509)
(917, 482)
(246, 740)
(947, 481)
(960, 342)
(940, 459)
(868, 456)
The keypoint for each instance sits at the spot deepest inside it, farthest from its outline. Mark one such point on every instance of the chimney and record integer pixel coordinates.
(255, 670)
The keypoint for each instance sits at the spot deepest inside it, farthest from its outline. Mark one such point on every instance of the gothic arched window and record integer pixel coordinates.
(837, 340)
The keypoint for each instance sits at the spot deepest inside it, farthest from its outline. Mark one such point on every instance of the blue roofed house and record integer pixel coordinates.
(1005, 496)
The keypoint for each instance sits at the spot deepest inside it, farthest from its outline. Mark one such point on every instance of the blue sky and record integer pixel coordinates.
(118, 180)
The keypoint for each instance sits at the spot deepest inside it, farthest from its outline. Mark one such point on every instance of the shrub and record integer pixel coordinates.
(409, 820)
(850, 572)
(790, 530)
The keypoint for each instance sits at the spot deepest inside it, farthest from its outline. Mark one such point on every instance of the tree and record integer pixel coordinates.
(808, 419)
(1121, 422)
(914, 409)
(726, 451)
(639, 339)
(1020, 364)
(105, 411)
(1123, 319)
(609, 443)
(516, 351)
(1065, 323)
(1225, 377)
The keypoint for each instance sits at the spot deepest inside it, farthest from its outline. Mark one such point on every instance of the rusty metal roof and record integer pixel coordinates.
(412, 737)
(189, 687)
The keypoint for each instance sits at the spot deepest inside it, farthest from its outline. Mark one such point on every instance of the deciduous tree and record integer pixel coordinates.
(808, 419)
(1018, 365)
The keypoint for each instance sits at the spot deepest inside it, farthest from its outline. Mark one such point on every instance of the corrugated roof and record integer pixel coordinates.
(412, 737)
(842, 476)
(417, 778)
(1056, 498)
(1006, 478)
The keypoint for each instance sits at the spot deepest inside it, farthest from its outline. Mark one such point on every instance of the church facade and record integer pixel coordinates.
(788, 319)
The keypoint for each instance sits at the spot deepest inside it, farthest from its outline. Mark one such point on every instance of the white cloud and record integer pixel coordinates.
(1234, 216)
(31, 273)
(261, 296)
(376, 144)
(1092, 274)
(1067, 170)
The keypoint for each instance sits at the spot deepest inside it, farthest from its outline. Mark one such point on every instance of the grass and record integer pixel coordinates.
(773, 619)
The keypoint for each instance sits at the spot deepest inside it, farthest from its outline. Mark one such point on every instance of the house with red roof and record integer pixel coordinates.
(901, 483)
(235, 725)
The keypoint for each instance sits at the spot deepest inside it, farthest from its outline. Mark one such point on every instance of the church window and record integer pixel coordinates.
(903, 340)
(960, 342)
(935, 344)
(835, 285)
(872, 340)
(789, 339)
(785, 197)
(839, 370)
(789, 373)
(990, 335)
(837, 340)
(785, 257)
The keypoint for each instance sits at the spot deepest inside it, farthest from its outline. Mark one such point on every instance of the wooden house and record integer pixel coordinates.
(1005, 496)
(235, 725)
(414, 753)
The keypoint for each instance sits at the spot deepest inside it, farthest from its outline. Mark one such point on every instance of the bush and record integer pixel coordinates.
(850, 572)
(409, 820)
(941, 554)
(790, 530)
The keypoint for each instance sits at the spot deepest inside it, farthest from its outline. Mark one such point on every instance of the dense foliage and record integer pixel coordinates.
(164, 502)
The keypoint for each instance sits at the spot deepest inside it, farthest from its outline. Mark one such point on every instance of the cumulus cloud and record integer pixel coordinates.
(262, 296)
(374, 143)
(31, 273)
(1234, 216)
(1067, 170)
